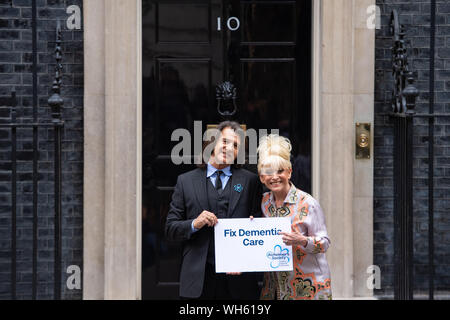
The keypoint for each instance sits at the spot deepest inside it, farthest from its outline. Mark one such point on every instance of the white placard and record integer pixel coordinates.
(244, 245)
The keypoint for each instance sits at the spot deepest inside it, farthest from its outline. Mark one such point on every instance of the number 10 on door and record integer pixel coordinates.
(233, 24)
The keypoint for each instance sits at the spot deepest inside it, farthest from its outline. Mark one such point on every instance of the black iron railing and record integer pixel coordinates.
(402, 115)
(403, 103)
(55, 102)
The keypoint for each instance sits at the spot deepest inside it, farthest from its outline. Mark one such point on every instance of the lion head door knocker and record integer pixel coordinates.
(226, 99)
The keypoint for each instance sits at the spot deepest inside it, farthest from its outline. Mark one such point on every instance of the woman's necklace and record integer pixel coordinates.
(279, 201)
(279, 204)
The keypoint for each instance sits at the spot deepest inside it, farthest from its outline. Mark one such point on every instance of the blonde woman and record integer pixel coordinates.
(310, 278)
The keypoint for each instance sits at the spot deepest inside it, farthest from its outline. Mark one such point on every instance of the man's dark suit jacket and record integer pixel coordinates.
(188, 201)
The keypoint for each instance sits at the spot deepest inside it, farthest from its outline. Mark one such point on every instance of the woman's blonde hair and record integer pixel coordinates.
(274, 153)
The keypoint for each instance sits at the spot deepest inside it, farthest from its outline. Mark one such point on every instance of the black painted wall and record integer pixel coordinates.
(415, 15)
(16, 72)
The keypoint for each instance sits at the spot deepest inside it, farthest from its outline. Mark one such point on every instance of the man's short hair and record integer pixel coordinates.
(235, 126)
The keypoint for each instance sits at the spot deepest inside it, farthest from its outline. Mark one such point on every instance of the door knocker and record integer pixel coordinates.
(226, 94)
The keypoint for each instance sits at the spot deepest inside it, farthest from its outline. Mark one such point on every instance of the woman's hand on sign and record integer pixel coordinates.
(294, 239)
(234, 273)
(205, 218)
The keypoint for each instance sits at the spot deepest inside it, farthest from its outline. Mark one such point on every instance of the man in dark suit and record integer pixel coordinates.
(218, 189)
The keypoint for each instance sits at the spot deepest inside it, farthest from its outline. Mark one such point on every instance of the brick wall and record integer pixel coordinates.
(16, 73)
(415, 15)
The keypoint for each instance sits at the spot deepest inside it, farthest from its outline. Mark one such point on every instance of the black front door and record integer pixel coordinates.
(190, 47)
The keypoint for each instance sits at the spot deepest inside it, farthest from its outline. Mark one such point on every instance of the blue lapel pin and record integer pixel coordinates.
(238, 188)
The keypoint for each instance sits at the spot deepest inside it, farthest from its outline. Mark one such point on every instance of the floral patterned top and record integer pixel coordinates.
(310, 278)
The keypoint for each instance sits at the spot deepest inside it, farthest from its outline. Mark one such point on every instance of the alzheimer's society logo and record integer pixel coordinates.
(279, 257)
